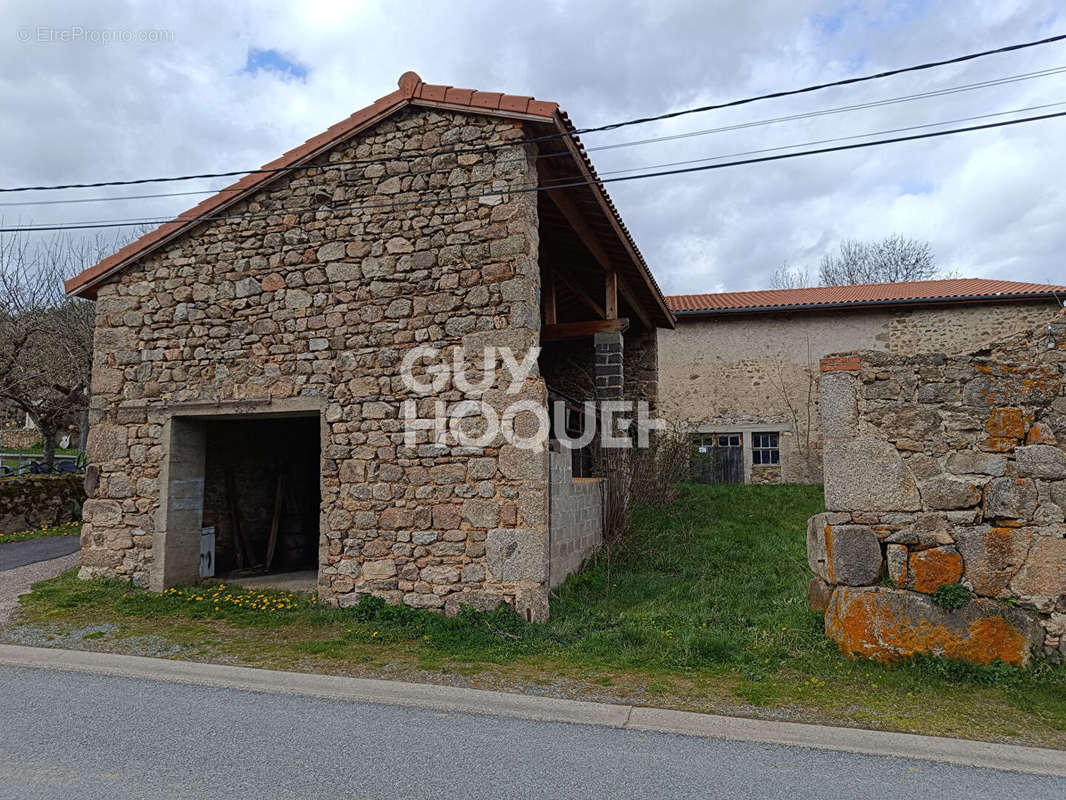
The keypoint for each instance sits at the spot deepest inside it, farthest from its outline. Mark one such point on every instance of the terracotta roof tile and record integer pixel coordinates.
(433, 92)
(952, 290)
(510, 102)
(411, 90)
(460, 97)
(541, 108)
(486, 99)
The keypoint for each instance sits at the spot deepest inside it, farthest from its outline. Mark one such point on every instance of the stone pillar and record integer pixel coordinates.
(609, 365)
(176, 544)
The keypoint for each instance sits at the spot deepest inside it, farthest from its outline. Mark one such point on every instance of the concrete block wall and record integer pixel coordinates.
(576, 518)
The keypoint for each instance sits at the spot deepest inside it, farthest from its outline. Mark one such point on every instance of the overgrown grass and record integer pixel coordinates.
(705, 608)
(67, 529)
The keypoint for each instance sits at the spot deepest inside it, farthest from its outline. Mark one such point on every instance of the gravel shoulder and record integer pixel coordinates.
(17, 581)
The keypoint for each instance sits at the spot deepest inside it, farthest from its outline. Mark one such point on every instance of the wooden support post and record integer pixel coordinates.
(610, 304)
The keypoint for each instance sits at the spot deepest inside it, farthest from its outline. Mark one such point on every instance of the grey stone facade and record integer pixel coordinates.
(296, 312)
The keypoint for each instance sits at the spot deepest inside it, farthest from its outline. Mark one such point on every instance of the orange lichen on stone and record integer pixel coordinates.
(889, 624)
(930, 569)
(993, 639)
(1006, 423)
(1040, 433)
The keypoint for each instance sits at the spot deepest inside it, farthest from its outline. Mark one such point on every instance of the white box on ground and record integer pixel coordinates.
(207, 552)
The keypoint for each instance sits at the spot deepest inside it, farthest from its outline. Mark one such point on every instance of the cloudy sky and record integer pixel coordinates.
(216, 86)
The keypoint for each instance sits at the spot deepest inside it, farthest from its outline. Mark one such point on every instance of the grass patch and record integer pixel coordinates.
(67, 529)
(704, 610)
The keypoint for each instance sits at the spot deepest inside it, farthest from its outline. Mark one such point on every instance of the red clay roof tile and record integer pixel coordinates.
(460, 97)
(433, 93)
(511, 102)
(541, 108)
(411, 90)
(952, 290)
(486, 99)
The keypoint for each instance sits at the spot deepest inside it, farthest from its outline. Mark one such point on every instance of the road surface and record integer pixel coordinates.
(19, 554)
(73, 734)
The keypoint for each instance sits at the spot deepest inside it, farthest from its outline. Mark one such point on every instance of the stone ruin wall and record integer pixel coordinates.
(945, 470)
(302, 301)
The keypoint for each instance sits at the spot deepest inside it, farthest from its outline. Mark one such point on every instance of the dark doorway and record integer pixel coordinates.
(262, 494)
(719, 458)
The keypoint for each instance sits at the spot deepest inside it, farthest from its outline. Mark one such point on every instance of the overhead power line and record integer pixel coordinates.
(705, 159)
(617, 145)
(888, 101)
(579, 131)
(533, 189)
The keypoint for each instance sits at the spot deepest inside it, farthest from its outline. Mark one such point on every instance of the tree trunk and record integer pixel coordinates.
(48, 439)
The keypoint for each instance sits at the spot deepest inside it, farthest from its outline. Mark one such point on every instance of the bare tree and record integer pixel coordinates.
(786, 277)
(891, 260)
(45, 337)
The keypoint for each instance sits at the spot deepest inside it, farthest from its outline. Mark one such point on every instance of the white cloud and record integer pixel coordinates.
(986, 201)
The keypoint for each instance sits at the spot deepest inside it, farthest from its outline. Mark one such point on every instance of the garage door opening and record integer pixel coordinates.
(261, 497)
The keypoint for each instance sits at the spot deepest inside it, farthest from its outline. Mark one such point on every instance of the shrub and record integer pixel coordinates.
(951, 596)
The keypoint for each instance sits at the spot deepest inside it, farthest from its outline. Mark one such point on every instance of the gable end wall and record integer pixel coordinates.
(314, 304)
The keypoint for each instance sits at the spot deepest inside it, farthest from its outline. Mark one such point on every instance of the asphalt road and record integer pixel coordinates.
(19, 554)
(66, 734)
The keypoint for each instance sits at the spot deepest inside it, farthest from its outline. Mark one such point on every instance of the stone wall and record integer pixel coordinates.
(759, 372)
(576, 517)
(945, 471)
(641, 354)
(19, 438)
(33, 501)
(306, 301)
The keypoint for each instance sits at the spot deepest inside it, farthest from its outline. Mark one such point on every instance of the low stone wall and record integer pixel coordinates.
(19, 438)
(945, 471)
(576, 518)
(30, 501)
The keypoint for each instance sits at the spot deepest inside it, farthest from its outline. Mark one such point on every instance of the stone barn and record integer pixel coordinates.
(249, 362)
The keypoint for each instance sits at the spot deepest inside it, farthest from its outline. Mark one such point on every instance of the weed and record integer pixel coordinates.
(951, 596)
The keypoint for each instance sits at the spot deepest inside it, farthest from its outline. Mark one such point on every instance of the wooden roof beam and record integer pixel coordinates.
(581, 330)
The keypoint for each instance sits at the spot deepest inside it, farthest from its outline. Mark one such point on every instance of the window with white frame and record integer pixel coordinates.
(765, 449)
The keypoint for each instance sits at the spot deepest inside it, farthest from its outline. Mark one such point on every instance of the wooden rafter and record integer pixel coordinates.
(580, 330)
(583, 296)
(564, 201)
